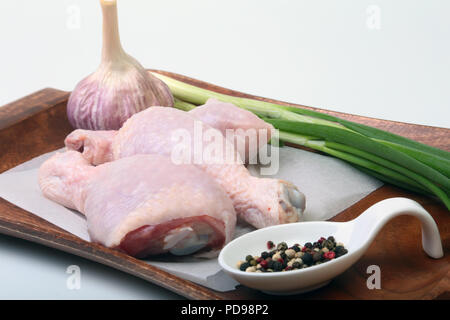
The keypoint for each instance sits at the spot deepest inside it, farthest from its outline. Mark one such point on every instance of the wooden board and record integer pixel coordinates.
(37, 124)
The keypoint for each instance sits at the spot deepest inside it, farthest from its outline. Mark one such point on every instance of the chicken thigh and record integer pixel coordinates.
(144, 204)
(247, 132)
(261, 202)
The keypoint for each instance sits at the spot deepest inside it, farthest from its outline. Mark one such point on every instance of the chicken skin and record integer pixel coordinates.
(144, 204)
(261, 202)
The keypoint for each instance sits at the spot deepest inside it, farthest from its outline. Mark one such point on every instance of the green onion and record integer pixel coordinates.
(182, 105)
(360, 158)
(437, 162)
(394, 182)
(389, 157)
(362, 142)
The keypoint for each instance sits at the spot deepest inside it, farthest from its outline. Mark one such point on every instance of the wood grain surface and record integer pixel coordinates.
(37, 124)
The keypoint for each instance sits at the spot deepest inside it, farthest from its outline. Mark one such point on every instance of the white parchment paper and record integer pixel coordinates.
(330, 186)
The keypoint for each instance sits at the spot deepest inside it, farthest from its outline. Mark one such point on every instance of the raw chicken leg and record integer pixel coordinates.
(259, 201)
(95, 145)
(248, 132)
(142, 204)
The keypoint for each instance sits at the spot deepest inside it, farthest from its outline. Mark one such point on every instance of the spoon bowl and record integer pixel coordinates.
(356, 235)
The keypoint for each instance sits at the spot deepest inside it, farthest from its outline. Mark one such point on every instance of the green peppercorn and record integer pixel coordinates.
(283, 258)
(282, 246)
(328, 244)
(317, 256)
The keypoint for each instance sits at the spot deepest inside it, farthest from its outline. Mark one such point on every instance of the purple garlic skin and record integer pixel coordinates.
(119, 88)
(106, 99)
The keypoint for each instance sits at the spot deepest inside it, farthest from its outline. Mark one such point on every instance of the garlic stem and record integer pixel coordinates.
(112, 49)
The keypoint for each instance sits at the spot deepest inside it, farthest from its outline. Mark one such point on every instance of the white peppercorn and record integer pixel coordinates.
(276, 256)
(250, 269)
(290, 253)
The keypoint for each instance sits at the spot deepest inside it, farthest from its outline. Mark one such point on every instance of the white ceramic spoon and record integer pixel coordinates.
(356, 235)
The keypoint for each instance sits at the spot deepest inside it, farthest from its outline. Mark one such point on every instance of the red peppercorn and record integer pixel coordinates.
(304, 249)
(270, 245)
(322, 239)
(280, 261)
(329, 255)
(288, 268)
(264, 264)
(259, 259)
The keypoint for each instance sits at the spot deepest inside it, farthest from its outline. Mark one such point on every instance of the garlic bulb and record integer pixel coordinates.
(119, 88)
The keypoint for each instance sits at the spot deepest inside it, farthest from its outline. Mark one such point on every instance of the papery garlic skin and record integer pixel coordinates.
(107, 98)
(118, 89)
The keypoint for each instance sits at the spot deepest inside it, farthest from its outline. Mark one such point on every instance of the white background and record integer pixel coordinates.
(326, 54)
(384, 59)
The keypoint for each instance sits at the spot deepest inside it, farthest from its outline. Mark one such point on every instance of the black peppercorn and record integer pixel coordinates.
(307, 258)
(277, 266)
(341, 251)
(338, 249)
(323, 250)
(244, 266)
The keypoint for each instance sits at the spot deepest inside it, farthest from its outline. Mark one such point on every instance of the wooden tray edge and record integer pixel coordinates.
(22, 109)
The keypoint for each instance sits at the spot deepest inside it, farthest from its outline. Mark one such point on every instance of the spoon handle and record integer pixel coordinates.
(373, 219)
